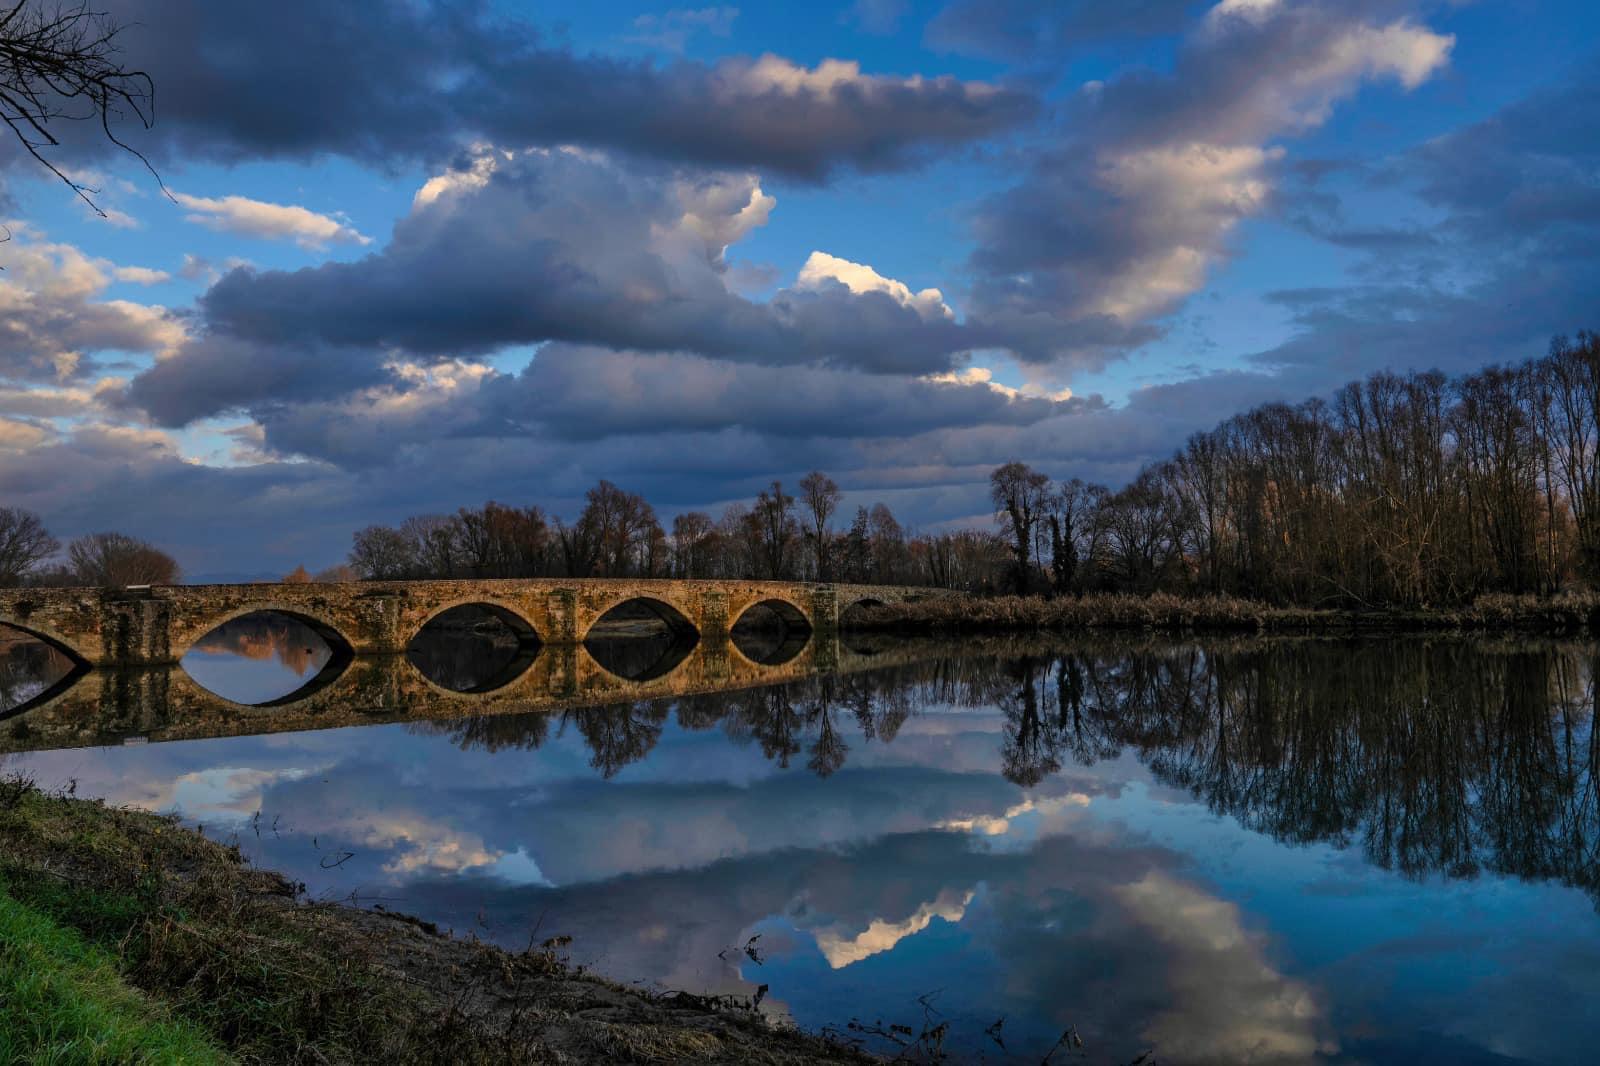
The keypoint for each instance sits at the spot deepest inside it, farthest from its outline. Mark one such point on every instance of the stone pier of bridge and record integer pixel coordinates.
(156, 625)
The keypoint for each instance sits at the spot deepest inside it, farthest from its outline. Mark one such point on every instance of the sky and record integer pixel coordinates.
(405, 258)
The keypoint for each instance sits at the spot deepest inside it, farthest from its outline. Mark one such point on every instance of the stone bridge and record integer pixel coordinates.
(157, 625)
(163, 703)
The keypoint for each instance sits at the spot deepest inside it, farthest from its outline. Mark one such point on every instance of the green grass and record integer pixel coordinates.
(63, 1002)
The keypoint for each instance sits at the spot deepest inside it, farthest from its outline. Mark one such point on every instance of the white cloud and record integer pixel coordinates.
(841, 948)
(722, 209)
(982, 375)
(19, 436)
(1254, 11)
(140, 275)
(1179, 197)
(827, 80)
(120, 219)
(484, 161)
(859, 278)
(257, 218)
(51, 317)
(1197, 193)
(1228, 1003)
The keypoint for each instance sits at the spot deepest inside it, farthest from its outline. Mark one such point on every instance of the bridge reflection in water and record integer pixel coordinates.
(160, 703)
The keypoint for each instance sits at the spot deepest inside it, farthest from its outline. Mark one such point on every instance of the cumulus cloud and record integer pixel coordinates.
(257, 218)
(547, 245)
(407, 82)
(53, 316)
(820, 268)
(137, 275)
(19, 435)
(1120, 224)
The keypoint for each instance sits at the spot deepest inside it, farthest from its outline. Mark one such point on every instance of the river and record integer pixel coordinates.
(1212, 850)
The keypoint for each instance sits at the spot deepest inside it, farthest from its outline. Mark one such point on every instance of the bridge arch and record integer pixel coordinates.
(678, 616)
(861, 603)
(641, 660)
(340, 653)
(789, 613)
(505, 665)
(508, 614)
(48, 635)
(184, 638)
(763, 646)
(76, 667)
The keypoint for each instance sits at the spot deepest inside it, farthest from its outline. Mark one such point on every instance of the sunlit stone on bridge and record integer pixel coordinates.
(159, 625)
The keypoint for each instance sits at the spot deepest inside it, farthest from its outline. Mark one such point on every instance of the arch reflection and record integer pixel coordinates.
(473, 648)
(265, 658)
(641, 639)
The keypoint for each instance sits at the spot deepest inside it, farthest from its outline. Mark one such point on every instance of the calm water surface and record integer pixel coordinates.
(1223, 851)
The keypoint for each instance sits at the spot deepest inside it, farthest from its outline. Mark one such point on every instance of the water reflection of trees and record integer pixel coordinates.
(1431, 756)
(265, 635)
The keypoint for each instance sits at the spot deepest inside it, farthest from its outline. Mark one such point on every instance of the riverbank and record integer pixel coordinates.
(127, 938)
(1555, 615)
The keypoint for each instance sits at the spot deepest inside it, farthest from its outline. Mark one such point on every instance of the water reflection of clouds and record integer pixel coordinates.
(1141, 890)
(842, 946)
(223, 792)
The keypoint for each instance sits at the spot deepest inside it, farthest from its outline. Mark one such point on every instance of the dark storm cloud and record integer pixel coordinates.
(579, 394)
(546, 246)
(1036, 29)
(391, 82)
(215, 373)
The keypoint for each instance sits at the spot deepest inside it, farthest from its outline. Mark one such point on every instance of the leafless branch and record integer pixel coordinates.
(62, 63)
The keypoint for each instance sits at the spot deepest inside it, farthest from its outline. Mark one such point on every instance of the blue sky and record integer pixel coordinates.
(690, 249)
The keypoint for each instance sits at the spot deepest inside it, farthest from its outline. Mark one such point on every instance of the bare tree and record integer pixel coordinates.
(24, 544)
(690, 550)
(821, 497)
(1020, 494)
(116, 560)
(61, 62)
(772, 522)
(436, 543)
(380, 553)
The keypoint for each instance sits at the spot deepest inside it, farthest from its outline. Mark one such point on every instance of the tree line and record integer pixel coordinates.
(29, 555)
(778, 536)
(1401, 490)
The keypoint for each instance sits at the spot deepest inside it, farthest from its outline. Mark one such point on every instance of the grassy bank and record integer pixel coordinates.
(125, 938)
(1566, 613)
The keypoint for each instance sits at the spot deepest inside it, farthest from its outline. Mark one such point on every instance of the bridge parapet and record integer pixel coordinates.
(153, 626)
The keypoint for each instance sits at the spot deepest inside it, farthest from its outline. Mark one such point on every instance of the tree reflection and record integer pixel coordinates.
(1431, 756)
(620, 734)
